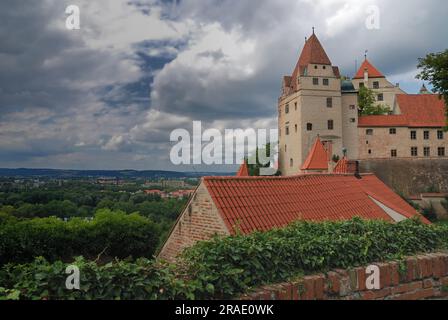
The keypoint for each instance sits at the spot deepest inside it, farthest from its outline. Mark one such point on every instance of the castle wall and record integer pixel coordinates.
(410, 176)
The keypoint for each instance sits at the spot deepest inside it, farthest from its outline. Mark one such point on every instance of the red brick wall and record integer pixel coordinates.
(199, 221)
(417, 278)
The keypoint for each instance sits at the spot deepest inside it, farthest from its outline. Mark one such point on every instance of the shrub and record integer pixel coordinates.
(113, 234)
(228, 267)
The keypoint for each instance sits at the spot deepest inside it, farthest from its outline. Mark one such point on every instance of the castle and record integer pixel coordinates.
(319, 119)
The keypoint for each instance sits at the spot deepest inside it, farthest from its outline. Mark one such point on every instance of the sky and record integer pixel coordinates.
(108, 96)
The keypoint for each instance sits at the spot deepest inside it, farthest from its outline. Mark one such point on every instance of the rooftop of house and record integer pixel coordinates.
(248, 204)
(417, 111)
(371, 70)
(317, 158)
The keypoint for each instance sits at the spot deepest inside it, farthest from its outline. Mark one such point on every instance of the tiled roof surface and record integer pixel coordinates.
(317, 158)
(373, 72)
(341, 166)
(422, 110)
(263, 203)
(417, 111)
(243, 171)
(383, 121)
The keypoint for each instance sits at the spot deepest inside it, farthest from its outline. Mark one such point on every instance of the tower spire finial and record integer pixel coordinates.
(313, 30)
(365, 54)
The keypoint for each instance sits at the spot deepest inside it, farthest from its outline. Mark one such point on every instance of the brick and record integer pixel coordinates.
(407, 287)
(319, 287)
(417, 295)
(362, 277)
(437, 266)
(411, 265)
(284, 292)
(385, 275)
(333, 284)
(394, 273)
(345, 288)
(428, 283)
(308, 286)
(375, 294)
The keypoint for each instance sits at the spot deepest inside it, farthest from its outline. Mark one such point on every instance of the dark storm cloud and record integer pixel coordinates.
(110, 94)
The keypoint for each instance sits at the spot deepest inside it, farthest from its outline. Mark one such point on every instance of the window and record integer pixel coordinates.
(381, 97)
(440, 135)
(393, 131)
(291, 162)
(287, 131)
(287, 109)
(316, 81)
(315, 67)
(376, 85)
(427, 151)
(330, 124)
(369, 132)
(426, 135)
(329, 102)
(370, 151)
(353, 120)
(309, 127)
(295, 128)
(413, 135)
(295, 105)
(352, 107)
(414, 151)
(441, 152)
(326, 82)
(393, 153)
(324, 67)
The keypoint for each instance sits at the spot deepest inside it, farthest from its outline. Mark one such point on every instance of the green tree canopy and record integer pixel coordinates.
(434, 69)
(367, 106)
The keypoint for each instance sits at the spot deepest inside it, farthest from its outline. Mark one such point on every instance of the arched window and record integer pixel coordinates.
(291, 162)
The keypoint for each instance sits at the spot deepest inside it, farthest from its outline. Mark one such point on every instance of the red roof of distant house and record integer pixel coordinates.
(417, 110)
(317, 158)
(263, 203)
(371, 70)
(243, 170)
(422, 110)
(341, 166)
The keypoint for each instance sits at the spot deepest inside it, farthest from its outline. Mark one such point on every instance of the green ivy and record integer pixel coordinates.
(228, 267)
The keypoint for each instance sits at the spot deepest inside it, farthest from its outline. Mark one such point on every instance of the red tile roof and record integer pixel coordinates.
(417, 111)
(243, 171)
(422, 110)
(383, 121)
(317, 158)
(372, 71)
(263, 203)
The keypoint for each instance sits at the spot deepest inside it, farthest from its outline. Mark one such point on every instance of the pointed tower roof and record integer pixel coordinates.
(243, 170)
(424, 90)
(372, 71)
(317, 158)
(312, 53)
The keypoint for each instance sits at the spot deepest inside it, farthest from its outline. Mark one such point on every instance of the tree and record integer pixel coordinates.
(434, 69)
(254, 169)
(367, 106)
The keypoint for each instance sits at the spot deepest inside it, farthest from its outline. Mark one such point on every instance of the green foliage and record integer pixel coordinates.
(228, 267)
(429, 213)
(114, 234)
(435, 70)
(367, 105)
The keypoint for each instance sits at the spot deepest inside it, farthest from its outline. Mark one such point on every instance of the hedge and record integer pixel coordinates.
(228, 267)
(112, 234)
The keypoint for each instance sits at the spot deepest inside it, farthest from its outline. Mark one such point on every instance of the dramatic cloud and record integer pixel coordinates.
(108, 95)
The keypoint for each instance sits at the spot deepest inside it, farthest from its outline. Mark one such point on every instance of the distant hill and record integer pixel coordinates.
(58, 173)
